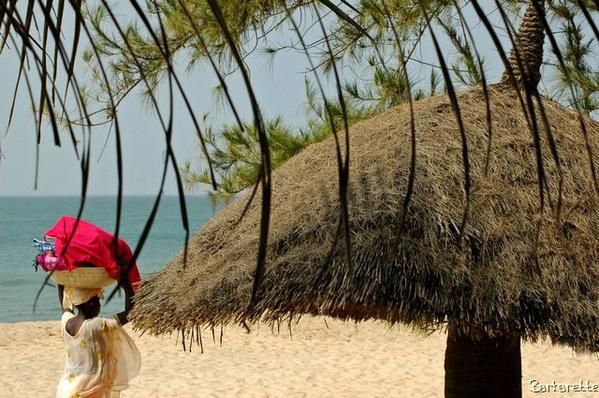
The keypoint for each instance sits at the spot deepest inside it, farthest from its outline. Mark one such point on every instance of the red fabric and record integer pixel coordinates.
(91, 244)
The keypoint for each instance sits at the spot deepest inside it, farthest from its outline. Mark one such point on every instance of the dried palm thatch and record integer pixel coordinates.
(517, 269)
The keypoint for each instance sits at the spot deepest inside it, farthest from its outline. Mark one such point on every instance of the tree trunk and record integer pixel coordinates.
(528, 48)
(486, 367)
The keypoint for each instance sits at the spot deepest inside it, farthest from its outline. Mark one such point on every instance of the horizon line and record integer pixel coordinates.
(46, 195)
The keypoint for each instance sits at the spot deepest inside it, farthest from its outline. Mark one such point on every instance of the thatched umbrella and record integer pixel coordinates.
(515, 271)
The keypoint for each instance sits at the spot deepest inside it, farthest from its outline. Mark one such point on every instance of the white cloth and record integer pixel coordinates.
(101, 359)
(75, 295)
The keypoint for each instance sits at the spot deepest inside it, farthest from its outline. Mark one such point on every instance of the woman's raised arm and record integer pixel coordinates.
(60, 299)
(123, 316)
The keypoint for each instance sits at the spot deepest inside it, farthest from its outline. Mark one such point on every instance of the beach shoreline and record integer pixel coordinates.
(317, 359)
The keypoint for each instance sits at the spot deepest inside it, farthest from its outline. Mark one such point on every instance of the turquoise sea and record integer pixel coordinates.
(25, 218)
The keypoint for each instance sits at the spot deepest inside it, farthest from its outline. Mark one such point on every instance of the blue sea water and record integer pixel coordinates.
(25, 218)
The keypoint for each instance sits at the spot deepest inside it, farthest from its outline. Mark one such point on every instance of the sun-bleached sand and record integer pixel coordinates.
(336, 359)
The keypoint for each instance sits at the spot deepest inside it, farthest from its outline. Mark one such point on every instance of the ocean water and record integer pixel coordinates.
(25, 218)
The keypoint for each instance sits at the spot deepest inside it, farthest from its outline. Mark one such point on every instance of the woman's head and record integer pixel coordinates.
(87, 300)
(90, 308)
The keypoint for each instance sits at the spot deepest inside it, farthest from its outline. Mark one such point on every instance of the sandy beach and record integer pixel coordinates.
(338, 359)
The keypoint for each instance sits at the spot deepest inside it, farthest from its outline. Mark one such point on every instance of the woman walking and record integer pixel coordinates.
(101, 357)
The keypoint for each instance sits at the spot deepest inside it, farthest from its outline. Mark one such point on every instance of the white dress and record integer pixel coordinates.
(101, 359)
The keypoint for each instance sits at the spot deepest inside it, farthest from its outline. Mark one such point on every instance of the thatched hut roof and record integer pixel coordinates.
(499, 280)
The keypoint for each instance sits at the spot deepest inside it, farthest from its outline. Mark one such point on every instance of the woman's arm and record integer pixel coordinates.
(123, 316)
(61, 297)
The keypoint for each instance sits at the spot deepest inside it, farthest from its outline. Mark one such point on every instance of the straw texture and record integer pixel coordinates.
(517, 269)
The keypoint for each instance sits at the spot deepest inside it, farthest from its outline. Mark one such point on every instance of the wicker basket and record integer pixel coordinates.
(85, 278)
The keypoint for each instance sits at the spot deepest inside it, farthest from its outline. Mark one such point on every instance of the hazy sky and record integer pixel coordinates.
(280, 91)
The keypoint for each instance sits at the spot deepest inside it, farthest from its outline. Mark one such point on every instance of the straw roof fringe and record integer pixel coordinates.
(502, 279)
